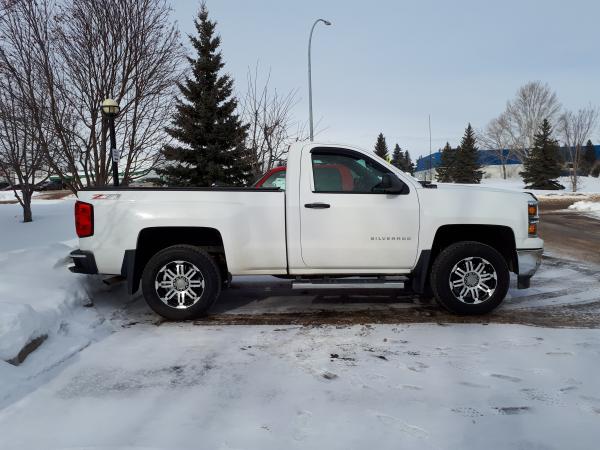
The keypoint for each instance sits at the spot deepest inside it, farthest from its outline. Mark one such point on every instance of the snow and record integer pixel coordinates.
(267, 387)
(52, 222)
(36, 289)
(9, 196)
(593, 208)
(6, 196)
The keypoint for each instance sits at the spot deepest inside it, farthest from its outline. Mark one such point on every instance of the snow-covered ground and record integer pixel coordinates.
(109, 375)
(267, 387)
(590, 208)
(53, 222)
(586, 186)
(9, 196)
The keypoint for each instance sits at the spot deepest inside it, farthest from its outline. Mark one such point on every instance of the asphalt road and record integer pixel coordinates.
(563, 294)
(568, 233)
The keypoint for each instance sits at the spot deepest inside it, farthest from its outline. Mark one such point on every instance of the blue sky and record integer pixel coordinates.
(383, 66)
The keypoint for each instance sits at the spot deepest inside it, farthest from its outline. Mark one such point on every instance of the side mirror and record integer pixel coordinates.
(390, 184)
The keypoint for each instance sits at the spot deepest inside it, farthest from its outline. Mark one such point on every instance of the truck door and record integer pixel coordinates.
(347, 222)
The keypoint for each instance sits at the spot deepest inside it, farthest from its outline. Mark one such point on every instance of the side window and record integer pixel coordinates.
(277, 180)
(345, 172)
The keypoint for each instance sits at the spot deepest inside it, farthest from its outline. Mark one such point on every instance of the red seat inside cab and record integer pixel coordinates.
(332, 175)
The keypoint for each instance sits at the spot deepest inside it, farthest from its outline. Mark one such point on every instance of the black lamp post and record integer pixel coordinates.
(110, 110)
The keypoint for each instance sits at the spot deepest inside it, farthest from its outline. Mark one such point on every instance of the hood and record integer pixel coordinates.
(479, 188)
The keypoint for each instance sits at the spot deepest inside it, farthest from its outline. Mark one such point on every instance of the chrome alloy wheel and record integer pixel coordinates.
(473, 280)
(179, 284)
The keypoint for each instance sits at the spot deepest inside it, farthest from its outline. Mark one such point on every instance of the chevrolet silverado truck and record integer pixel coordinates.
(345, 220)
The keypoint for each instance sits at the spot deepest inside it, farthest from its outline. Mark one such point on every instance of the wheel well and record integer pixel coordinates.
(152, 240)
(499, 237)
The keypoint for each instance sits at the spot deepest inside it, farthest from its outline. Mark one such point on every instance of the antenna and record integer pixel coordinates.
(430, 174)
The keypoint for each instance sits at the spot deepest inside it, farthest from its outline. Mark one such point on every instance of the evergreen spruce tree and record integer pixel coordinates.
(444, 170)
(209, 135)
(466, 168)
(409, 166)
(398, 157)
(589, 158)
(381, 148)
(542, 165)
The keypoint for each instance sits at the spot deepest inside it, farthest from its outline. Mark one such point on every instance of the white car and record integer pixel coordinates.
(347, 220)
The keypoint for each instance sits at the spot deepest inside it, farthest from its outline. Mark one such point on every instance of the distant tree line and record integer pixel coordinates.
(460, 164)
(399, 158)
(525, 132)
(514, 133)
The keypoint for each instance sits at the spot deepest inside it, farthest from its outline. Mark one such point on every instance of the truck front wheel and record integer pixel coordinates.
(181, 282)
(469, 278)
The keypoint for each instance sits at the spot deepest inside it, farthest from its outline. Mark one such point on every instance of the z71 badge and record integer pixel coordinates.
(106, 196)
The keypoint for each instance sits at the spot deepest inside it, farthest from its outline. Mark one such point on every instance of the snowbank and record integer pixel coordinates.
(36, 289)
(593, 208)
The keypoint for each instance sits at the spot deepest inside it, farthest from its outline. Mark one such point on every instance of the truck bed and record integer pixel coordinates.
(251, 223)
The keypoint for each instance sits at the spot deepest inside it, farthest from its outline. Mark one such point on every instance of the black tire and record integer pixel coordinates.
(193, 257)
(442, 274)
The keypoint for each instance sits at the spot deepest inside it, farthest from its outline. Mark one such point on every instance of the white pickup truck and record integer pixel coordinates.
(346, 220)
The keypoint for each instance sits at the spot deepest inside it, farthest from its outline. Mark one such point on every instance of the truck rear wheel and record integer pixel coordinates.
(181, 282)
(469, 278)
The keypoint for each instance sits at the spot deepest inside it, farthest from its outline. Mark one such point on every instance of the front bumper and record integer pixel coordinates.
(84, 262)
(529, 261)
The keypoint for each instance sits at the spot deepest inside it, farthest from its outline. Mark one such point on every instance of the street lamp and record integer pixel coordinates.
(110, 110)
(310, 113)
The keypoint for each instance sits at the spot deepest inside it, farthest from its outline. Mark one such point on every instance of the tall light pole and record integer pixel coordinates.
(110, 110)
(310, 114)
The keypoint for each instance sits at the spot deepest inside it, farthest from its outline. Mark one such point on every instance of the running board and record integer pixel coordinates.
(348, 284)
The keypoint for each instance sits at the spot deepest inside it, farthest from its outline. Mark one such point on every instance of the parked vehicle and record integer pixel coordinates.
(346, 220)
(51, 185)
(9, 187)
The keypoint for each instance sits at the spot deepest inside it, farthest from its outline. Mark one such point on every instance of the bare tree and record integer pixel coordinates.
(88, 50)
(497, 138)
(533, 103)
(21, 155)
(575, 129)
(271, 127)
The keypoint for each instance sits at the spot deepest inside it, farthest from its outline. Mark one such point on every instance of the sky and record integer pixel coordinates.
(384, 66)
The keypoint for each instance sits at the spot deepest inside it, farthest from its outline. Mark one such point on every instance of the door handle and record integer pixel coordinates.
(317, 205)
